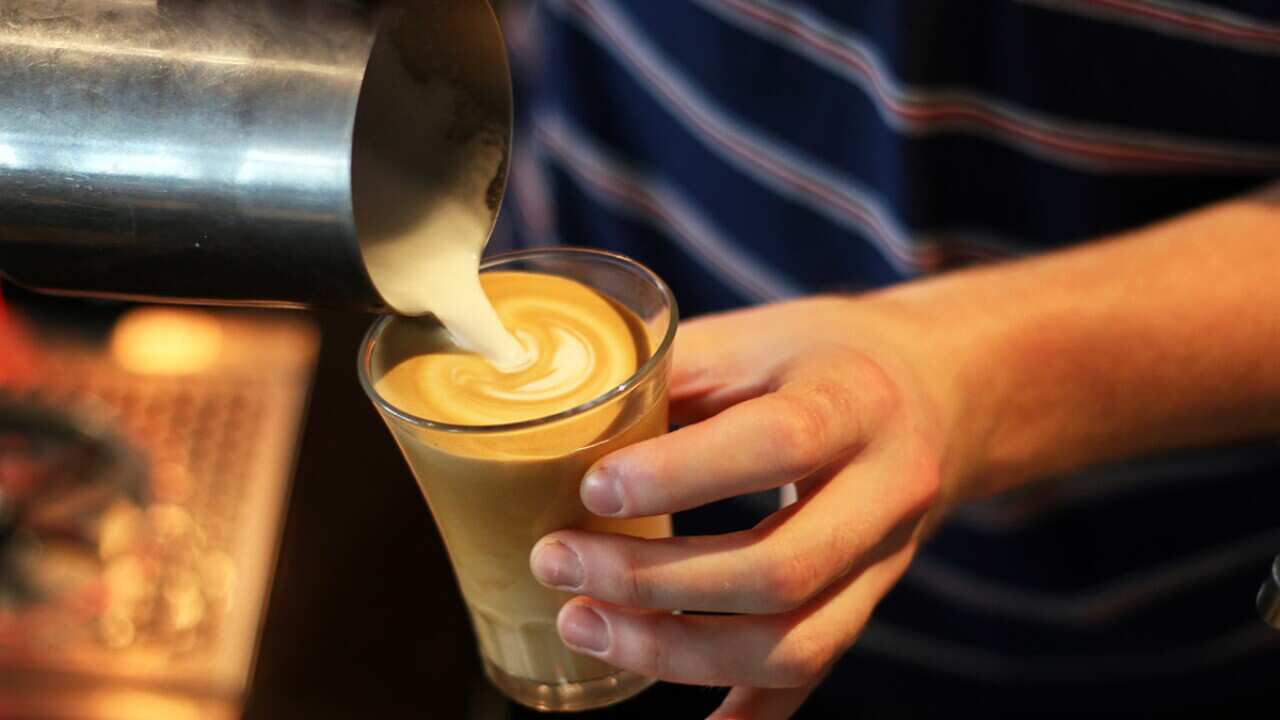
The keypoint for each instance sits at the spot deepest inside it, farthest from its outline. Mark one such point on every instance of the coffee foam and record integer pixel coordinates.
(577, 346)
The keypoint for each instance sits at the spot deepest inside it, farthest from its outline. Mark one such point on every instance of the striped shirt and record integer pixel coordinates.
(755, 150)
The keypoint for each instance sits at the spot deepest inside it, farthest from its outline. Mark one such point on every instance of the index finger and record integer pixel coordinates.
(755, 445)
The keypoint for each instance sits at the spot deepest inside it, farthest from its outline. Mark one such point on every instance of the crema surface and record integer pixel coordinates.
(577, 346)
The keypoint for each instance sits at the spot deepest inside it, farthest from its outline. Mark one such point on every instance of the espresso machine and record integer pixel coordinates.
(248, 153)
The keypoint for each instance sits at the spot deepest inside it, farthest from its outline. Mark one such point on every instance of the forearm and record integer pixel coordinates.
(1163, 338)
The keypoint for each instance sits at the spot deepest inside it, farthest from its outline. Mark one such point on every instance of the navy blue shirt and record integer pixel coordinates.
(754, 150)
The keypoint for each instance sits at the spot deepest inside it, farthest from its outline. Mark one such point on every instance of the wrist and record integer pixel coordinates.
(932, 332)
(1141, 343)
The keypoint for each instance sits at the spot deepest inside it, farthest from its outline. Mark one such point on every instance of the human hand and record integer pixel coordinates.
(850, 399)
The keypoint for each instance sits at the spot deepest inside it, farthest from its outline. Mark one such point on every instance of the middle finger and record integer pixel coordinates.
(772, 568)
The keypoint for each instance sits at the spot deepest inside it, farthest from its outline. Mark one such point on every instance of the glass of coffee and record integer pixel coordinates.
(497, 485)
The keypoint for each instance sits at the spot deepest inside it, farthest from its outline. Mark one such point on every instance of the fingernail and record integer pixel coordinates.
(602, 493)
(584, 629)
(557, 565)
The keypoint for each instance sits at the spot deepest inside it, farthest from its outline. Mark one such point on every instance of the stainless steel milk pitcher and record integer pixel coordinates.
(241, 152)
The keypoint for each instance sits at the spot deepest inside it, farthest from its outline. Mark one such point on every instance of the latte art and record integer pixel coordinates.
(577, 345)
(559, 361)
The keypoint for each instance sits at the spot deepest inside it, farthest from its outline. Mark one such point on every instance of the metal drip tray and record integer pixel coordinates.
(140, 513)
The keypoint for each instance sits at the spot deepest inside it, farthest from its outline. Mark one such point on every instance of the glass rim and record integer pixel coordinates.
(364, 358)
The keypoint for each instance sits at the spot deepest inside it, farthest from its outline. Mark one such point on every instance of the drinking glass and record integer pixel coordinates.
(495, 490)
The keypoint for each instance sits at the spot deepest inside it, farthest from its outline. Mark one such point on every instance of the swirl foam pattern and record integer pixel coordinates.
(578, 346)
